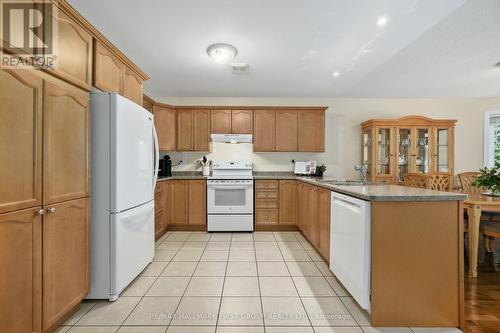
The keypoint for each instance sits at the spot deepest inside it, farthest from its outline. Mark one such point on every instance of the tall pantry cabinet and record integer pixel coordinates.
(44, 199)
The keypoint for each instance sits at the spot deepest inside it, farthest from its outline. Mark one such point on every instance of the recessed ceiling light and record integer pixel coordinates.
(382, 21)
(335, 74)
(222, 53)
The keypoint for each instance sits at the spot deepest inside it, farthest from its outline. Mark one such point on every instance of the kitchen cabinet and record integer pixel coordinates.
(266, 202)
(311, 130)
(311, 214)
(241, 121)
(392, 148)
(132, 86)
(197, 202)
(74, 53)
(21, 260)
(286, 130)
(264, 130)
(147, 103)
(185, 130)
(324, 203)
(65, 275)
(108, 69)
(66, 136)
(201, 130)
(220, 121)
(287, 202)
(160, 203)
(165, 119)
(179, 203)
(21, 142)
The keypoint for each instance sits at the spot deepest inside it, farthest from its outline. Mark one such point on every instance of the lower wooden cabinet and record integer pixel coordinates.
(287, 201)
(197, 202)
(160, 203)
(324, 206)
(266, 202)
(66, 279)
(20, 276)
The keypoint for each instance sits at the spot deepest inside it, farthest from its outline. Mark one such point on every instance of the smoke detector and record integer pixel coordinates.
(240, 67)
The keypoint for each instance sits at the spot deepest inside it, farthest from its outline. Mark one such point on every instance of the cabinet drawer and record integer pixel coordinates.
(266, 194)
(266, 203)
(266, 184)
(266, 216)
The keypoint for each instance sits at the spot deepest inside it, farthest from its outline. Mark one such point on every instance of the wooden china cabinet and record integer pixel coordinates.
(391, 148)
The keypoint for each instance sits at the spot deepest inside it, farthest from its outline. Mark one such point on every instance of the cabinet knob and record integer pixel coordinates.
(39, 211)
(51, 210)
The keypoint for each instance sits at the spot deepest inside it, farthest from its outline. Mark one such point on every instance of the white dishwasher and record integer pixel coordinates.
(350, 245)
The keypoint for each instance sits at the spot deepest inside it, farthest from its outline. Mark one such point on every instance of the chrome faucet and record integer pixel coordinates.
(362, 169)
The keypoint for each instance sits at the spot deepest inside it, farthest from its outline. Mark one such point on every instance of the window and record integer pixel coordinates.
(492, 138)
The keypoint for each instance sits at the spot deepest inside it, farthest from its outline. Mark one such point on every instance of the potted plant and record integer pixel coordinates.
(489, 178)
(320, 170)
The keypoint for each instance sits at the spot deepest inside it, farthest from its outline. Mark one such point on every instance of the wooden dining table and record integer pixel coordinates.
(475, 204)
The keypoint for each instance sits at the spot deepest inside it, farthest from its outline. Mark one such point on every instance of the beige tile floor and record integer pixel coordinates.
(265, 282)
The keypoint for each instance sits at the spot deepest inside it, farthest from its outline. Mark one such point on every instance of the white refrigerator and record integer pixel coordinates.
(124, 173)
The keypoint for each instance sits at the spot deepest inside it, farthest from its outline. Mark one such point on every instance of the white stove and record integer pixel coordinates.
(230, 196)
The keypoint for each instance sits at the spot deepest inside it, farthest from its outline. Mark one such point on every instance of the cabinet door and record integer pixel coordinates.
(287, 197)
(324, 202)
(299, 207)
(264, 129)
(147, 103)
(74, 62)
(167, 218)
(201, 130)
(420, 161)
(311, 130)
(220, 121)
(132, 86)
(66, 155)
(65, 258)
(166, 127)
(311, 217)
(241, 121)
(179, 201)
(384, 154)
(286, 130)
(197, 202)
(21, 261)
(20, 140)
(184, 130)
(159, 209)
(108, 70)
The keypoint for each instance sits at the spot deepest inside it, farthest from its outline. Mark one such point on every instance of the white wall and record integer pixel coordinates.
(343, 118)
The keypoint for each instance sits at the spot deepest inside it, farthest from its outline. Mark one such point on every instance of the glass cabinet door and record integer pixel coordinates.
(404, 152)
(383, 151)
(367, 150)
(442, 150)
(422, 150)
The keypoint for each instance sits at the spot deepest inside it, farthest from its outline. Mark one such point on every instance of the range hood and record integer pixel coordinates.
(232, 138)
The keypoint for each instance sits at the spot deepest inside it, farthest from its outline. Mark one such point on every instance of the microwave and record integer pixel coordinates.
(305, 168)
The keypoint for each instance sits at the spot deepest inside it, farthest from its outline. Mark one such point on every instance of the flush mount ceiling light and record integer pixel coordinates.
(335, 74)
(222, 53)
(382, 21)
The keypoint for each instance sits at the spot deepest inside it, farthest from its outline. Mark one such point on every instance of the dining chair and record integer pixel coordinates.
(440, 181)
(418, 180)
(467, 182)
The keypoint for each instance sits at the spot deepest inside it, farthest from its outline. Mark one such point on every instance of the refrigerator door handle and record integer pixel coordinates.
(157, 157)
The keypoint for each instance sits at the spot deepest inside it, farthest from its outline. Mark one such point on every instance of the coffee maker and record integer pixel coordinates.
(165, 167)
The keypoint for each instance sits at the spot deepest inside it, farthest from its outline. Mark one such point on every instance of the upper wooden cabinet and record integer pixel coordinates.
(74, 54)
(66, 150)
(165, 119)
(147, 103)
(201, 130)
(220, 121)
(392, 148)
(132, 86)
(65, 258)
(311, 130)
(21, 259)
(21, 140)
(286, 130)
(108, 70)
(264, 130)
(185, 130)
(241, 121)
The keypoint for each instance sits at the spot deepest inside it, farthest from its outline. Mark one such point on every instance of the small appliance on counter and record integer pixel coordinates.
(165, 167)
(305, 168)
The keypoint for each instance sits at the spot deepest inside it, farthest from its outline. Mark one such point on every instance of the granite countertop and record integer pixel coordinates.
(369, 192)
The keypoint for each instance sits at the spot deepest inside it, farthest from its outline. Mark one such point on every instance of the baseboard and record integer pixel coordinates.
(186, 227)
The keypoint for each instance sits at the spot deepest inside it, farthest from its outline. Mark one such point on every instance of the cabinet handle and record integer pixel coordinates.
(51, 210)
(39, 211)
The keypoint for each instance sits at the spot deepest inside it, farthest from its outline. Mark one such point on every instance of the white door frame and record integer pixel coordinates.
(486, 137)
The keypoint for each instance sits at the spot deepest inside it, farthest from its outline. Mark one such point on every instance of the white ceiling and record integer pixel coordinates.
(430, 48)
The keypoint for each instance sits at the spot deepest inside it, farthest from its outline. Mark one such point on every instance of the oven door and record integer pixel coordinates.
(230, 198)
